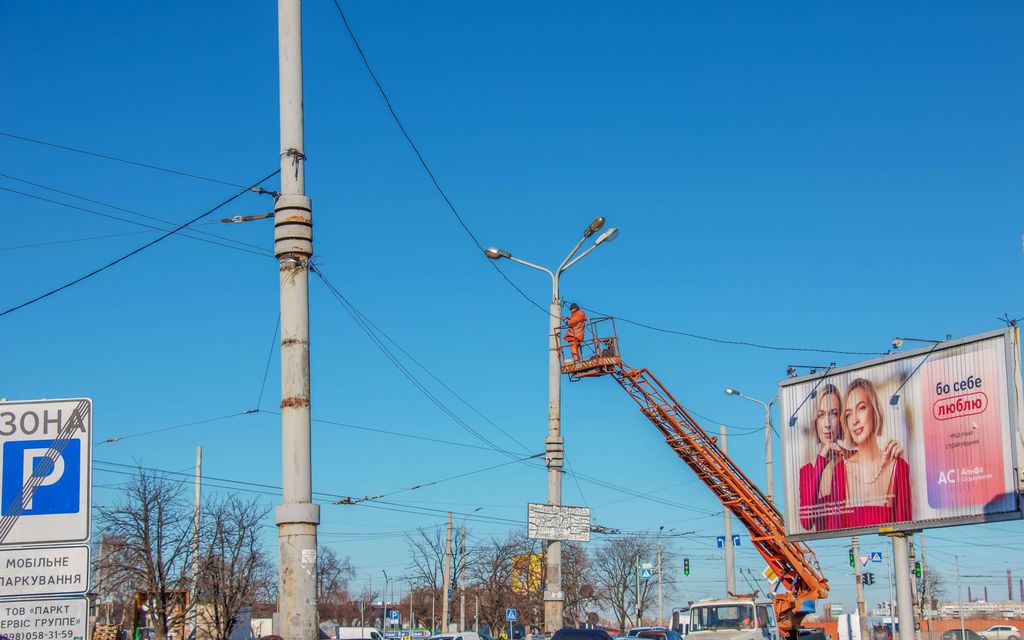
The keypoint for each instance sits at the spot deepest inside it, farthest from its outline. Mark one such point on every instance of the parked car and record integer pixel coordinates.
(569, 633)
(462, 635)
(954, 634)
(1001, 632)
(659, 634)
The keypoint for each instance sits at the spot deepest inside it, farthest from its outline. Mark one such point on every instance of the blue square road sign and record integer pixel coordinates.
(511, 615)
(56, 480)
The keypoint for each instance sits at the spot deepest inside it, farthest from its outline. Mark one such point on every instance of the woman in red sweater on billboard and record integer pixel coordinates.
(822, 493)
(876, 479)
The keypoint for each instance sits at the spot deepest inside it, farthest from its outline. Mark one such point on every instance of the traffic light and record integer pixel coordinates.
(917, 569)
(686, 566)
(853, 562)
(868, 578)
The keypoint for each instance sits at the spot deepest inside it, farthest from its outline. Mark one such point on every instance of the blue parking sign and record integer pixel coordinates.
(56, 481)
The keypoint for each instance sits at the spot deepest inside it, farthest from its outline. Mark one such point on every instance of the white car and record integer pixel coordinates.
(1001, 632)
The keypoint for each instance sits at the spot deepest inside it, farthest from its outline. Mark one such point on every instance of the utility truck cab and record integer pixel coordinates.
(740, 618)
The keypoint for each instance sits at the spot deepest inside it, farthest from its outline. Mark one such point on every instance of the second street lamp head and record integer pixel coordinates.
(732, 392)
(495, 253)
(594, 227)
(607, 236)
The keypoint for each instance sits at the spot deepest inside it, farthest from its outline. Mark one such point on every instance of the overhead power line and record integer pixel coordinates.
(472, 236)
(422, 160)
(137, 250)
(105, 156)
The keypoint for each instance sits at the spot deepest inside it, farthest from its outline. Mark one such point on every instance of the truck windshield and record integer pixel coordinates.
(721, 616)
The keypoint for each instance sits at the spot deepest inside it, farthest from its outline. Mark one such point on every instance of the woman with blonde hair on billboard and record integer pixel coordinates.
(877, 479)
(822, 486)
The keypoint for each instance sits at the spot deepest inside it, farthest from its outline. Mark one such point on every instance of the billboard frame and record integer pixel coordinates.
(1011, 349)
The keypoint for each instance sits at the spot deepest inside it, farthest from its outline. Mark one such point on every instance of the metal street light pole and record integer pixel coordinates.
(296, 517)
(770, 486)
(384, 602)
(554, 445)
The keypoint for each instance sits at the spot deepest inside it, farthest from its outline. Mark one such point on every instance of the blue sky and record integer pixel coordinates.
(812, 175)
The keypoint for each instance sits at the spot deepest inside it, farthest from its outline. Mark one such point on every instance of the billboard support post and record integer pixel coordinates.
(862, 610)
(730, 571)
(904, 586)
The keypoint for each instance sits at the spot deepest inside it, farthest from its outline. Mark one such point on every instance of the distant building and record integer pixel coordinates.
(1005, 609)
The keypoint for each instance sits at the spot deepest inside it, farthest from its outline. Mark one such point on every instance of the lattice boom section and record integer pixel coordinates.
(794, 563)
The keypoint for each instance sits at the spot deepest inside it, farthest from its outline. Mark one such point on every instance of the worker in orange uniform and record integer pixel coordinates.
(575, 330)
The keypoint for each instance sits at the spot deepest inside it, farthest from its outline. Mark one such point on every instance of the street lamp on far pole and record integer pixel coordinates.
(554, 445)
(767, 438)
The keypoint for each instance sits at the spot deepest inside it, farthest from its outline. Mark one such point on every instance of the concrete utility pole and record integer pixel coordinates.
(926, 608)
(447, 576)
(730, 567)
(554, 448)
(904, 585)
(297, 517)
(960, 597)
(638, 623)
(661, 617)
(462, 578)
(195, 539)
(892, 605)
(862, 613)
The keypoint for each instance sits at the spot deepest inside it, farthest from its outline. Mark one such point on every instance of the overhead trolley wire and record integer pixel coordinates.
(137, 250)
(257, 248)
(170, 428)
(104, 156)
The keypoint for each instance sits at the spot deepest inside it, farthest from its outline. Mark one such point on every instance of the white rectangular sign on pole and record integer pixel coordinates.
(43, 571)
(558, 522)
(57, 619)
(45, 471)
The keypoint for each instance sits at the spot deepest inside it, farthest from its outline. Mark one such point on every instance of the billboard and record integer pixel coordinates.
(912, 440)
(527, 571)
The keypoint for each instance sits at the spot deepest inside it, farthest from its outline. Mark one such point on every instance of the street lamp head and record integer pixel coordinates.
(607, 236)
(495, 253)
(732, 392)
(594, 227)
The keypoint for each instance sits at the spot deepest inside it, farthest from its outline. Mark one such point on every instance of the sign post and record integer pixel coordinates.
(511, 615)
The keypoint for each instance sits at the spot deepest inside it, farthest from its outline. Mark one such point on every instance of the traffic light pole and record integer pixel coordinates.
(862, 614)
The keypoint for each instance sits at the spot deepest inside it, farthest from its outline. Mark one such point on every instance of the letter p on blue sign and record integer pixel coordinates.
(55, 477)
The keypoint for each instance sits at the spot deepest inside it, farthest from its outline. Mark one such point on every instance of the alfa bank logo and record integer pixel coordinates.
(56, 482)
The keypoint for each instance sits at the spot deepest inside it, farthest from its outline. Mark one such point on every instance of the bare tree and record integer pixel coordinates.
(333, 574)
(492, 574)
(152, 523)
(426, 568)
(234, 569)
(577, 583)
(615, 573)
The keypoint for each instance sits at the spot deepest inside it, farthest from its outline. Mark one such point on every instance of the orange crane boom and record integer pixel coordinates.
(794, 563)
